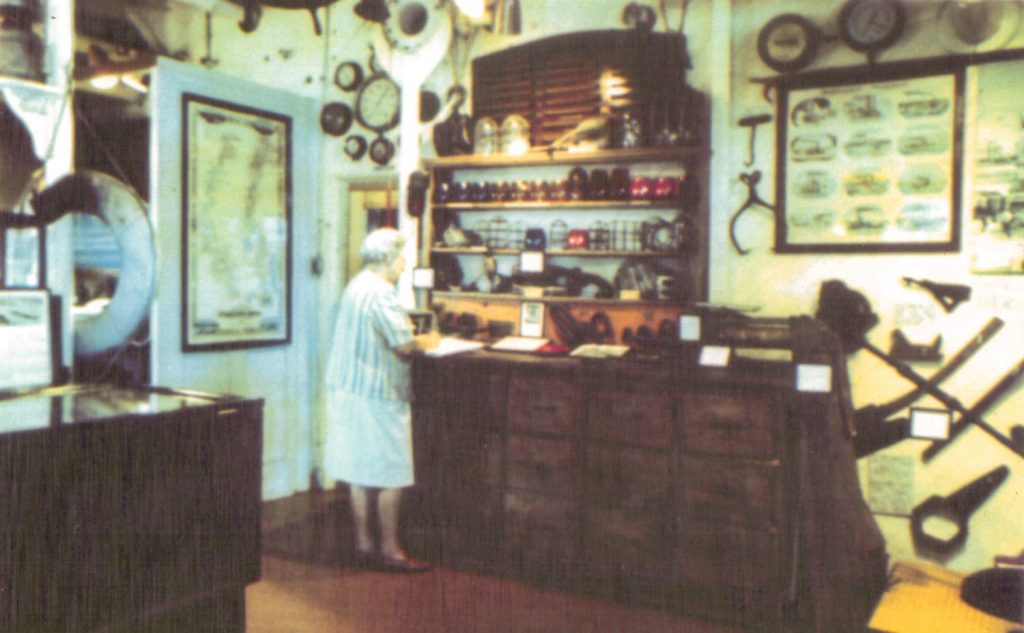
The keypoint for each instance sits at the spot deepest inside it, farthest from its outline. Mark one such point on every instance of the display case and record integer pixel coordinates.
(128, 509)
(622, 230)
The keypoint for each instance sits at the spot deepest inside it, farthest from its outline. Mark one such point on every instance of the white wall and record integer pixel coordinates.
(788, 284)
(285, 54)
(281, 375)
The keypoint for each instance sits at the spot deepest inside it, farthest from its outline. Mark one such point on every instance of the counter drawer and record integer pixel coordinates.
(638, 417)
(544, 402)
(731, 572)
(543, 465)
(731, 492)
(728, 421)
(541, 536)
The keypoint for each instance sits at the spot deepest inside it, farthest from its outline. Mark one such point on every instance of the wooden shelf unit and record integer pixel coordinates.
(686, 260)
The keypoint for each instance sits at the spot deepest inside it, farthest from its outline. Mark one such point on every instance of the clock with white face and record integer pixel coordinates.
(869, 26)
(378, 103)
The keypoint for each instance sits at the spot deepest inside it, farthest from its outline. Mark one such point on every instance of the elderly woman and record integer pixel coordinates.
(369, 429)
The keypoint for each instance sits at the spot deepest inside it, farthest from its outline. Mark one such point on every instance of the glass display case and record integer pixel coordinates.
(128, 508)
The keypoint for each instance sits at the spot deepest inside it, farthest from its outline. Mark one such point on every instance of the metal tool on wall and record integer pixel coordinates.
(876, 431)
(753, 200)
(958, 508)
(752, 122)
(949, 296)
(848, 313)
(972, 415)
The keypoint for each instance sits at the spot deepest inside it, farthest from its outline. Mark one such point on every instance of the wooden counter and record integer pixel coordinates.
(721, 492)
(128, 510)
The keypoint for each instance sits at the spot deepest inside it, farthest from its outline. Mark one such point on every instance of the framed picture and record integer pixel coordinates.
(870, 162)
(26, 339)
(995, 157)
(236, 226)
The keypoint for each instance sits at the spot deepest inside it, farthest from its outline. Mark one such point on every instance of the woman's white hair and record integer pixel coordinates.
(382, 246)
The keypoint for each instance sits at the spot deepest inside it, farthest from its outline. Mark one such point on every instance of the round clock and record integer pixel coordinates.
(869, 26)
(336, 118)
(378, 103)
(788, 42)
(348, 76)
(355, 146)
(382, 150)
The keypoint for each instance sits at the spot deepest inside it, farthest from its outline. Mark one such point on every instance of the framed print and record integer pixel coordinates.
(870, 164)
(995, 233)
(26, 339)
(236, 226)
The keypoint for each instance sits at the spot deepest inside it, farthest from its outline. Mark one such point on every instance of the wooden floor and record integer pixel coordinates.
(318, 593)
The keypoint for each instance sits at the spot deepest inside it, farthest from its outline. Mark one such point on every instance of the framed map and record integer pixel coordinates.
(236, 226)
(870, 162)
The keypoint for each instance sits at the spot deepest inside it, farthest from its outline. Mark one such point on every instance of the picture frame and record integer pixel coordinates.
(994, 236)
(27, 339)
(236, 226)
(870, 162)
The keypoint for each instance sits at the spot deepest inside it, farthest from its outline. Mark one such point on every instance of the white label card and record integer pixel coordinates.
(423, 278)
(689, 327)
(715, 356)
(814, 378)
(932, 424)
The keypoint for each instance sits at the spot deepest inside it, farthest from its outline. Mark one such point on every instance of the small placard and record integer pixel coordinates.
(689, 327)
(715, 356)
(531, 319)
(629, 294)
(814, 378)
(930, 424)
(423, 278)
(531, 261)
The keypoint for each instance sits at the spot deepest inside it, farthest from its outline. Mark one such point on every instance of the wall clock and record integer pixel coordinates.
(378, 103)
(348, 76)
(868, 26)
(788, 42)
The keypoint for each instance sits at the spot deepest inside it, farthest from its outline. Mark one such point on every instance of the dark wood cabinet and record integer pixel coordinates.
(723, 492)
(128, 510)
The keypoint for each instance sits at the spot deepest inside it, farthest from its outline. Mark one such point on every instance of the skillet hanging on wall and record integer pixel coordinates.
(788, 42)
(335, 118)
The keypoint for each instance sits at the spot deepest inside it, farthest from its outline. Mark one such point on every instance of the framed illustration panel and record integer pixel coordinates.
(995, 233)
(870, 163)
(27, 342)
(236, 226)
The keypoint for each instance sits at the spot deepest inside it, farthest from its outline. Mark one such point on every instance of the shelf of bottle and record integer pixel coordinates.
(453, 295)
(548, 205)
(547, 157)
(481, 250)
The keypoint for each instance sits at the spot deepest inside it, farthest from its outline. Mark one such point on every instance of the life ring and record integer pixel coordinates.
(125, 213)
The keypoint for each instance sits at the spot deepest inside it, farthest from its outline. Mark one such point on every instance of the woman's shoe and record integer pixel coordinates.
(402, 564)
(365, 559)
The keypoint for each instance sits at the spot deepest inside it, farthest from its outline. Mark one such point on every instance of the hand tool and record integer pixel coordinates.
(957, 507)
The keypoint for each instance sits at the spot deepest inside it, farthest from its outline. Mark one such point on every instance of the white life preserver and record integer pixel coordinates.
(125, 213)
